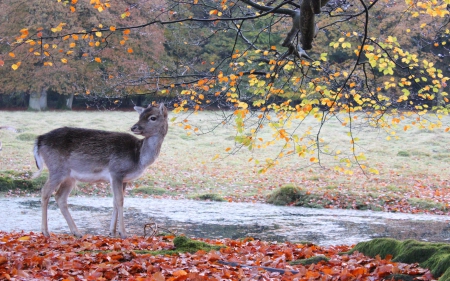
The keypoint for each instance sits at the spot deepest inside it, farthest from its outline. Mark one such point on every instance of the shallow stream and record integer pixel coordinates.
(228, 220)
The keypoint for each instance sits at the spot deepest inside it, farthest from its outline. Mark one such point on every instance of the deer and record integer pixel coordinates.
(86, 155)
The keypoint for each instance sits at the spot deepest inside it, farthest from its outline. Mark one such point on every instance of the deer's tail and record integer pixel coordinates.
(38, 159)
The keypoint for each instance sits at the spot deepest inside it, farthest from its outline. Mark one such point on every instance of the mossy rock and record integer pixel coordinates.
(286, 195)
(185, 245)
(210, 197)
(434, 256)
(292, 195)
(309, 261)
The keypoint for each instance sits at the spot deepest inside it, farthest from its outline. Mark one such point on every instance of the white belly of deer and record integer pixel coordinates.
(134, 175)
(102, 175)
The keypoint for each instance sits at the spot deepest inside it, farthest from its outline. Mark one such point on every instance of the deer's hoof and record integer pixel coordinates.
(123, 235)
(46, 233)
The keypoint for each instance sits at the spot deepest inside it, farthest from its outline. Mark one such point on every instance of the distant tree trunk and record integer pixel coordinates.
(38, 101)
(69, 101)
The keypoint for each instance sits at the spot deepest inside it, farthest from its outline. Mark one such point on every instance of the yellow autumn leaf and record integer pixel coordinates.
(64, 60)
(98, 34)
(24, 238)
(14, 66)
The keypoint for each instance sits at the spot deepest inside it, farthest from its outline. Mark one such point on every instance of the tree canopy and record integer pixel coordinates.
(272, 63)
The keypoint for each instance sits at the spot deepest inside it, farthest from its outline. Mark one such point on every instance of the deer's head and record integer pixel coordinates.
(152, 121)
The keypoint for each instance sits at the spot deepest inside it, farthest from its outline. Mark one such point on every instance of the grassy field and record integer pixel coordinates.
(413, 170)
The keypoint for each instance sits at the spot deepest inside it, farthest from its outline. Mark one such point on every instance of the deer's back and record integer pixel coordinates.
(80, 151)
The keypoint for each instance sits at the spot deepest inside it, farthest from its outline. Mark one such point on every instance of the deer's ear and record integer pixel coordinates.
(139, 109)
(162, 109)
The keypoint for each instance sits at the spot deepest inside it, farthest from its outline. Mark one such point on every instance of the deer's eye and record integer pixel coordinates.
(153, 118)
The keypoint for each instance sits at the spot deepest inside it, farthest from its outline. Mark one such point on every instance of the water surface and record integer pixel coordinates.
(228, 220)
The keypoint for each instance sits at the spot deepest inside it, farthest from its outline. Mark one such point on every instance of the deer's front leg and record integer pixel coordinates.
(118, 188)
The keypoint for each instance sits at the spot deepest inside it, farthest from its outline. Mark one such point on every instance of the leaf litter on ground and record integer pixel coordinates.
(31, 256)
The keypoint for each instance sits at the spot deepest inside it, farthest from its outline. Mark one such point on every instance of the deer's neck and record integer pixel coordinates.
(150, 150)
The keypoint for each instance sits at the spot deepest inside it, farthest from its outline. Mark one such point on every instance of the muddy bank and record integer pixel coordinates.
(231, 220)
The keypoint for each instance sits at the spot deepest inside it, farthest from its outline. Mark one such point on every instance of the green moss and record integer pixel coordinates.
(209, 197)
(20, 180)
(434, 256)
(26, 137)
(445, 276)
(183, 244)
(286, 195)
(403, 154)
(292, 195)
(149, 191)
(192, 246)
(399, 277)
(311, 260)
(426, 204)
(6, 183)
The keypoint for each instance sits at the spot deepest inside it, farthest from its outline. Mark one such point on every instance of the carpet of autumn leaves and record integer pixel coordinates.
(31, 256)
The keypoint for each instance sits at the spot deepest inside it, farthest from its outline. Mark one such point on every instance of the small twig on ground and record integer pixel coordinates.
(155, 229)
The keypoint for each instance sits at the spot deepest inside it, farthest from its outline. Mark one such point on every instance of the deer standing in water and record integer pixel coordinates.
(76, 154)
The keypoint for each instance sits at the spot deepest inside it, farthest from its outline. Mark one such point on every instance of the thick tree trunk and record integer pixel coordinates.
(38, 100)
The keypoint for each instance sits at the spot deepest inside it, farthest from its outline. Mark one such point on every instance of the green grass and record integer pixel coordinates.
(149, 191)
(187, 166)
(209, 197)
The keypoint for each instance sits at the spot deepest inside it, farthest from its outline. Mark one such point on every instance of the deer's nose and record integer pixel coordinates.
(136, 127)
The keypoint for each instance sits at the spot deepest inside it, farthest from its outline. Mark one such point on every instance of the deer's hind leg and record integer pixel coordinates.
(61, 199)
(52, 184)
